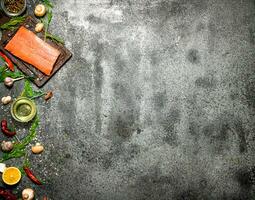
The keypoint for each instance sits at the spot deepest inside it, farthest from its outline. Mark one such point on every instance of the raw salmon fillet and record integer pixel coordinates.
(33, 50)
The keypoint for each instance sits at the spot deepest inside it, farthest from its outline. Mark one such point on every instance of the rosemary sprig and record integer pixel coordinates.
(46, 20)
(10, 25)
(48, 3)
(54, 38)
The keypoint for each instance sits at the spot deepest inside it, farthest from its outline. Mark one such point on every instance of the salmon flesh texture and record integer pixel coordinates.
(33, 50)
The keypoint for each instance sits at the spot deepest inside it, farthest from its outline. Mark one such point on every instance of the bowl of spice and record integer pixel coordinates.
(13, 7)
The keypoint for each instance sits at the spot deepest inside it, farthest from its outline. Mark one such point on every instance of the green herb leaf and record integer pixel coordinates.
(49, 16)
(29, 92)
(47, 22)
(4, 72)
(28, 89)
(54, 38)
(12, 24)
(19, 148)
(48, 3)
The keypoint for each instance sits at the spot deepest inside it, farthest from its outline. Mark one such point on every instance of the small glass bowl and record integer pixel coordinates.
(10, 14)
(23, 109)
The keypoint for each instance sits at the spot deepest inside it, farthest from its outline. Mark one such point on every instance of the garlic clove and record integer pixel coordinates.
(37, 149)
(6, 100)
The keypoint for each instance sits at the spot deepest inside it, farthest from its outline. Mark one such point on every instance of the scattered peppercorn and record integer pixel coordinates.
(14, 6)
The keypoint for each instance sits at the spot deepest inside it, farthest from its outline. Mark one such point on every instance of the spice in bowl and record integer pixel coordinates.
(13, 7)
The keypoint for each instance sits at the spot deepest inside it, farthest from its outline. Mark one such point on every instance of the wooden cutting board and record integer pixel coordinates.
(39, 78)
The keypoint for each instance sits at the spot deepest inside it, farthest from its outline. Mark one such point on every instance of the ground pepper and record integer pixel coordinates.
(14, 6)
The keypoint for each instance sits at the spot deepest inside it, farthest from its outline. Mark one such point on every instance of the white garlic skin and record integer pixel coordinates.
(8, 81)
(6, 100)
(6, 146)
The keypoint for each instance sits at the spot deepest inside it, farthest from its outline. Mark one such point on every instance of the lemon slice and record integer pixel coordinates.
(11, 176)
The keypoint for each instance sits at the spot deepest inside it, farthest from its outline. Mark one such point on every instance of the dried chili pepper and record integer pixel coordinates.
(5, 129)
(31, 175)
(8, 61)
(7, 195)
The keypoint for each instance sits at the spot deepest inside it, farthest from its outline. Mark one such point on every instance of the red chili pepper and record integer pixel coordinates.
(5, 129)
(7, 195)
(8, 61)
(31, 175)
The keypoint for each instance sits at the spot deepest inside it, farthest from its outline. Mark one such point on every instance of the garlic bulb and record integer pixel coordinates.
(7, 146)
(8, 81)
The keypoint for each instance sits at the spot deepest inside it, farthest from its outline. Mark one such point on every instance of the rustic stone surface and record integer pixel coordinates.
(158, 102)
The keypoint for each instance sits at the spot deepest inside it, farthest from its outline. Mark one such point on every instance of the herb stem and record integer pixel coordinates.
(37, 96)
(17, 138)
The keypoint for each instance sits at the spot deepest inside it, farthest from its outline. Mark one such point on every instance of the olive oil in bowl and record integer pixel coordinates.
(23, 109)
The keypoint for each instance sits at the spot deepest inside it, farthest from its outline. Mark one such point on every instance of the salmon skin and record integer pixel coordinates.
(33, 50)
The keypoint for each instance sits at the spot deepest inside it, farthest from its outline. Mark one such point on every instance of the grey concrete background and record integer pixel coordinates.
(158, 102)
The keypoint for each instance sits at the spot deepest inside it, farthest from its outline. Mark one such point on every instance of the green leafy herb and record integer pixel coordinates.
(48, 3)
(46, 20)
(19, 148)
(29, 92)
(54, 38)
(4, 72)
(12, 24)
(28, 89)
(37, 94)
